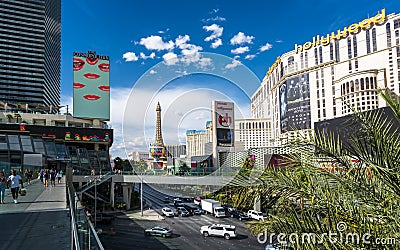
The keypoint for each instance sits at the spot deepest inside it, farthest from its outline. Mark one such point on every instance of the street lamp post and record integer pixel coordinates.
(95, 202)
(141, 195)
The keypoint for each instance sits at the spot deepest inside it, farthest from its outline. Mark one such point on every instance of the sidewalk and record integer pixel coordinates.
(39, 221)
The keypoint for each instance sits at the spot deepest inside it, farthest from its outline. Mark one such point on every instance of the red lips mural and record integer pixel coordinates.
(91, 76)
(92, 61)
(78, 85)
(91, 97)
(78, 64)
(105, 88)
(105, 67)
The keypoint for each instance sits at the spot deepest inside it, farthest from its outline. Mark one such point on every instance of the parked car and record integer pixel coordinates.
(177, 202)
(167, 212)
(237, 214)
(181, 211)
(256, 215)
(226, 231)
(159, 231)
(193, 209)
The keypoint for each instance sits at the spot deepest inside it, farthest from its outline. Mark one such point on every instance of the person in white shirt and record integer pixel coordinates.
(14, 180)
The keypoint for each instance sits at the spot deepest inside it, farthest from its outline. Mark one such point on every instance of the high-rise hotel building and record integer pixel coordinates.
(30, 52)
(330, 75)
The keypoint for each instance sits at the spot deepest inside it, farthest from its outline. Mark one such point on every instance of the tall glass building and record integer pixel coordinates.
(30, 52)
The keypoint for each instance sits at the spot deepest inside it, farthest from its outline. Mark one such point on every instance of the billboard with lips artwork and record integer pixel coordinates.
(91, 95)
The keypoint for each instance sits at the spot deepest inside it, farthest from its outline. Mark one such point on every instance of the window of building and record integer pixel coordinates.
(316, 56)
(320, 54)
(290, 60)
(13, 141)
(331, 51)
(356, 64)
(368, 42)
(301, 60)
(349, 54)
(396, 23)
(374, 45)
(355, 46)
(322, 72)
(26, 143)
(317, 84)
(357, 85)
(316, 74)
(366, 83)
(306, 59)
(3, 142)
(323, 93)
(398, 63)
(388, 35)
(362, 83)
(350, 66)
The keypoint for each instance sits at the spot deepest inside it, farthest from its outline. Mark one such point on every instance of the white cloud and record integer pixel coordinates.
(191, 54)
(267, 46)
(214, 19)
(241, 38)
(232, 65)
(180, 41)
(152, 72)
(240, 50)
(163, 31)
(170, 58)
(279, 41)
(151, 56)
(205, 62)
(156, 43)
(130, 56)
(216, 43)
(216, 31)
(249, 57)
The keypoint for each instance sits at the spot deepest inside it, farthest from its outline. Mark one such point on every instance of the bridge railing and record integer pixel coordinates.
(84, 236)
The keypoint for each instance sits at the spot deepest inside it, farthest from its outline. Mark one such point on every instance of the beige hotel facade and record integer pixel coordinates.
(329, 75)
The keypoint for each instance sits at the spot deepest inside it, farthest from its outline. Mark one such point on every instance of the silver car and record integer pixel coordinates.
(159, 231)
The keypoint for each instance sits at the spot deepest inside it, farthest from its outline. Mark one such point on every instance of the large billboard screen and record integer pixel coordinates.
(224, 119)
(294, 103)
(91, 86)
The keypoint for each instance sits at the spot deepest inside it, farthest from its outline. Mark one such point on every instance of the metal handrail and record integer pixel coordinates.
(74, 231)
(77, 240)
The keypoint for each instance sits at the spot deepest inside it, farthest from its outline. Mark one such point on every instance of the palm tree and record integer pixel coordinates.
(9, 117)
(344, 186)
(17, 116)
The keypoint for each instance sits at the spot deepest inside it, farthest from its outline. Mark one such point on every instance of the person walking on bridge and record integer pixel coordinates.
(15, 180)
(3, 183)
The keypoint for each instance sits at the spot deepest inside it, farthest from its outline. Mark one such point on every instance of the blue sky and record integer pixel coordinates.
(139, 35)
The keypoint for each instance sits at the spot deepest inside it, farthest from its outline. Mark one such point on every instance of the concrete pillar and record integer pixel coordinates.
(112, 198)
(127, 192)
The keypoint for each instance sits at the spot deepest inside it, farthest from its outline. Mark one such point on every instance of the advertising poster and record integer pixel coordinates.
(294, 104)
(224, 118)
(91, 86)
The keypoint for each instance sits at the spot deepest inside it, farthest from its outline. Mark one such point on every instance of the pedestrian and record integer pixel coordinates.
(52, 177)
(15, 180)
(28, 176)
(59, 176)
(3, 184)
(41, 175)
(46, 178)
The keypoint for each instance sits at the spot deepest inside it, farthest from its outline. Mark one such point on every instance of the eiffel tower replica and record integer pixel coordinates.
(157, 149)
